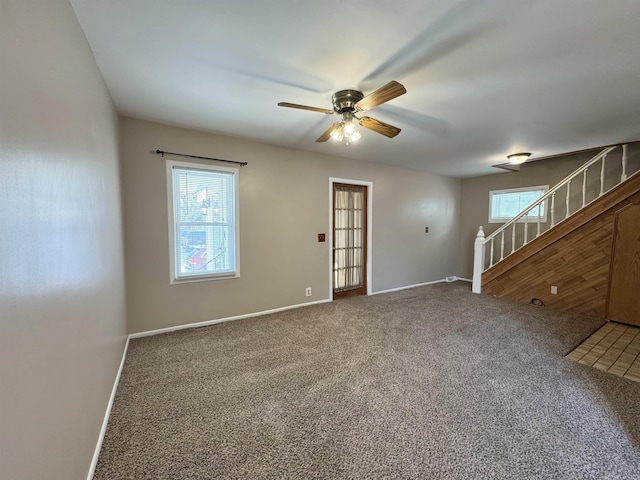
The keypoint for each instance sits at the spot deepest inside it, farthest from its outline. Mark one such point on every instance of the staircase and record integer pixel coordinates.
(562, 238)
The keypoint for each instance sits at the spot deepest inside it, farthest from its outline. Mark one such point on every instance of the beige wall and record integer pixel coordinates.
(475, 190)
(62, 315)
(284, 204)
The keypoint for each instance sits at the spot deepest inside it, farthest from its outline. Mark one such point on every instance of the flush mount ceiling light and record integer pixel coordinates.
(518, 158)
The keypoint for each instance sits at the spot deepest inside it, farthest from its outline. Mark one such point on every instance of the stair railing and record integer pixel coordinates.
(487, 253)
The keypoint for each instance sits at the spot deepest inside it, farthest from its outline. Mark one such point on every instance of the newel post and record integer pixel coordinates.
(478, 261)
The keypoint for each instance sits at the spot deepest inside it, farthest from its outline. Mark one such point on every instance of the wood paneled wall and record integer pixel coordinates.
(575, 256)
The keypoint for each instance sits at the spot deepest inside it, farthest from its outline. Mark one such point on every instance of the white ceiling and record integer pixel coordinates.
(484, 78)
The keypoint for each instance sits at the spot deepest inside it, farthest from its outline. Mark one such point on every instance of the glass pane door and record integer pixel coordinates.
(349, 240)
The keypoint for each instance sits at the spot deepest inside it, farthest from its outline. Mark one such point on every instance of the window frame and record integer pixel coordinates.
(173, 225)
(529, 219)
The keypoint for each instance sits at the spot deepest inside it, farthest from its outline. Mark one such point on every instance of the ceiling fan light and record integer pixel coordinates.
(338, 133)
(347, 103)
(349, 128)
(518, 158)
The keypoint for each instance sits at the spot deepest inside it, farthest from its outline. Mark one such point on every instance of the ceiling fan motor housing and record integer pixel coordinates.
(345, 100)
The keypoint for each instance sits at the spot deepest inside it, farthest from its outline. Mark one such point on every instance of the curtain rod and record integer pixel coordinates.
(161, 152)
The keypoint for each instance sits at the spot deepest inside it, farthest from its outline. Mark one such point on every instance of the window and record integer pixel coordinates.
(506, 204)
(203, 221)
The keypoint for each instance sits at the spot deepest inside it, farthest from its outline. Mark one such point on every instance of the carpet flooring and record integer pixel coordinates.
(426, 383)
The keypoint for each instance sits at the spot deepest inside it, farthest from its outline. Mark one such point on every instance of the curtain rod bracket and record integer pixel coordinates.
(162, 152)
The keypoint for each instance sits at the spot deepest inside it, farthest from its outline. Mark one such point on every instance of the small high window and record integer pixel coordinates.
(203, 221)
(506, 204)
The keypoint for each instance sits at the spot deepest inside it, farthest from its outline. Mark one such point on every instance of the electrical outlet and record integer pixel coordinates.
(554, 290)
(426, 229)
(308, 292)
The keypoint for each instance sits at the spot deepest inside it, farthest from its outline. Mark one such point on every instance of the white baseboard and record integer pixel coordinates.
(105, 422)
(206, 323)
(465, 279)
(407, 287)
(221, 320)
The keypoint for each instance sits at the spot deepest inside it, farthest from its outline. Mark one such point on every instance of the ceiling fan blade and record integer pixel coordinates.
(305, 107)
(388, 92)
(327, 134)
(379, 127)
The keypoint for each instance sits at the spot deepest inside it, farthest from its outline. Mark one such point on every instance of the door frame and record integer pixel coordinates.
(369, 186)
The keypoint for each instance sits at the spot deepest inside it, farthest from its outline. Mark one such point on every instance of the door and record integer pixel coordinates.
(623, 302)
(349, 240)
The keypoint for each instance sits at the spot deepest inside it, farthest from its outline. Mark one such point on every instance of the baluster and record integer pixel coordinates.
(526, 229)
(478, 261)
(584, 187)
(491, 255)
(602, 176)
(513, 237)
(623, 177)
(539, 216)
(553, 207)
(502, 245)
(568, 195)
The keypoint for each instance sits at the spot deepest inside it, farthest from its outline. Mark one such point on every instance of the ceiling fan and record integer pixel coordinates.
(346, 103)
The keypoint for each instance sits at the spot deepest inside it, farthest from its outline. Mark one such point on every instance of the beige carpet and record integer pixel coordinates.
(431, 382)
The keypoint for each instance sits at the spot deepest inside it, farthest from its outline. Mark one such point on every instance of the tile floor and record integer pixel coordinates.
(614, 348)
